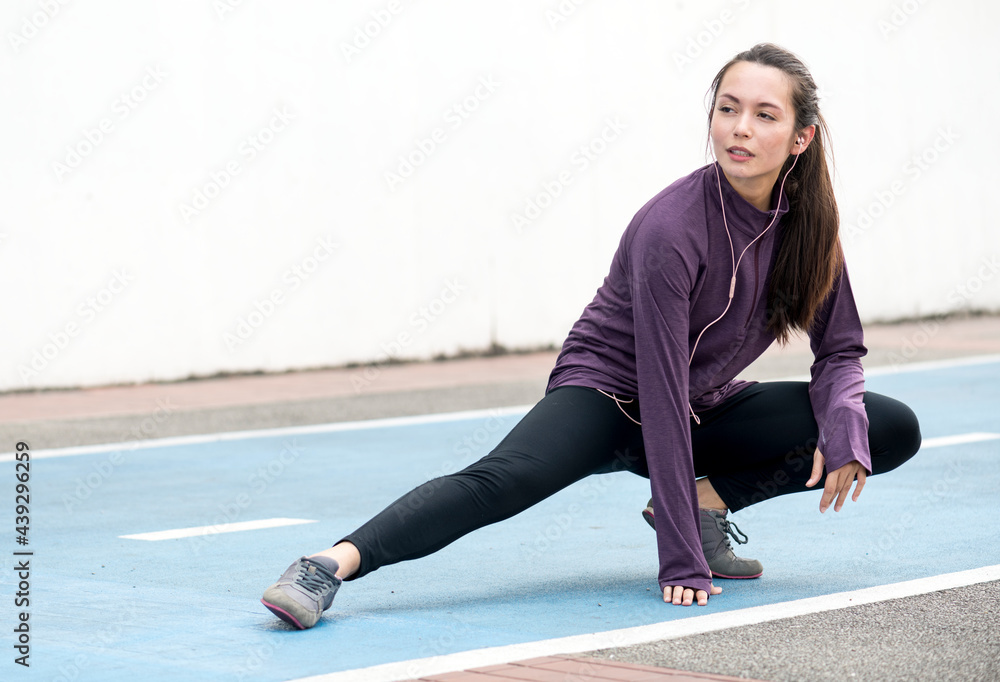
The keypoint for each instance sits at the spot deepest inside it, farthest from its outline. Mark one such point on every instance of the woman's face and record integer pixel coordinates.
(753, 129)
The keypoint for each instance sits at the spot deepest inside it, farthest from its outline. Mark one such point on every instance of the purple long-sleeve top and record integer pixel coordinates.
(670, 278)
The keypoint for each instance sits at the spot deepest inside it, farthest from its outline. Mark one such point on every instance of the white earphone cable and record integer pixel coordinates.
(736, 263)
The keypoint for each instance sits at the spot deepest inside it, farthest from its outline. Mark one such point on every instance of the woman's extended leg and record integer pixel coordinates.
(571, 433)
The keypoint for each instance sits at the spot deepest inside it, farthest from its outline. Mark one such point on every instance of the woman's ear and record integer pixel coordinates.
(803, 138)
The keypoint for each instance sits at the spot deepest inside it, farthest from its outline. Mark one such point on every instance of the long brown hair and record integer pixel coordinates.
(810, 257)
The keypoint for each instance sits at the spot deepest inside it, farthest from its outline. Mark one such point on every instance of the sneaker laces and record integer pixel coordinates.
(727, 527)
(315, 578)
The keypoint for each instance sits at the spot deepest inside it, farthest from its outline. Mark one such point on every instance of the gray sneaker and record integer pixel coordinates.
(716, 530)
(304, 591)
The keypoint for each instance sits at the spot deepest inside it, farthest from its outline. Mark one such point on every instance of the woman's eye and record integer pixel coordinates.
(725, 108)
(768, 117)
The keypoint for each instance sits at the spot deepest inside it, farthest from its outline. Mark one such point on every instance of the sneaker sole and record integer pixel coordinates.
(737, 577)
(283, 615)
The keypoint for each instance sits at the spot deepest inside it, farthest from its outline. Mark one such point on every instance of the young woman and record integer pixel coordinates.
(707, 275)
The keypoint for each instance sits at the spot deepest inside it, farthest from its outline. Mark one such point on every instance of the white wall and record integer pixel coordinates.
(106, 278)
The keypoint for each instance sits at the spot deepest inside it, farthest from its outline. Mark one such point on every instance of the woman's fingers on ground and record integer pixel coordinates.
(685, 596)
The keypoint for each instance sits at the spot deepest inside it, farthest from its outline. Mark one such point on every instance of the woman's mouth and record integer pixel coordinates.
(739, 154)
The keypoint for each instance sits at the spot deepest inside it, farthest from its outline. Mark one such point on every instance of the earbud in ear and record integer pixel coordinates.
(801, 141)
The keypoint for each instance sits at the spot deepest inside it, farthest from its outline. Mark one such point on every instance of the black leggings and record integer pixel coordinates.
(756, 445)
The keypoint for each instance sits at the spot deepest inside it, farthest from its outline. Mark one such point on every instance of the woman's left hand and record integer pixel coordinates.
(838, 482)
(685, 596)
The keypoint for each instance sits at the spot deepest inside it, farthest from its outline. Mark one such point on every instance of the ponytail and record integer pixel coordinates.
(810, 256)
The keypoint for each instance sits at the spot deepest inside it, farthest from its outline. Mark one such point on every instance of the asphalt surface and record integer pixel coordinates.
(947, 635)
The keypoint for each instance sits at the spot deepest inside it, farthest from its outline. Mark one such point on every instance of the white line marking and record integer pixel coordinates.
(273, 433)
(414, 420)
(940, 441)
(960, 439)
(929, 365)
(882, 370)
(694, 625)
(215, 530)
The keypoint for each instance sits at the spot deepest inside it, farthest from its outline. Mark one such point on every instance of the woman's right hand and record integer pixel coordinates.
(685, 596)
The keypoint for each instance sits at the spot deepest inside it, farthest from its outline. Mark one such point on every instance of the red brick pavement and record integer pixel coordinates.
(575, 669)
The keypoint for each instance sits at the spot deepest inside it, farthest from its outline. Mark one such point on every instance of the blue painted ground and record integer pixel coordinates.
(104, 608)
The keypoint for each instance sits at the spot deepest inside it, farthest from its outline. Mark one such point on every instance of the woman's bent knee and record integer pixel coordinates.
(894, 432)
